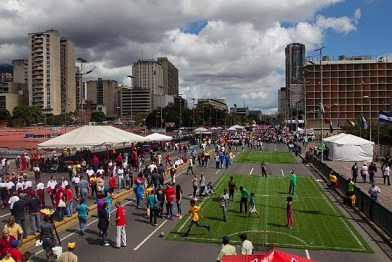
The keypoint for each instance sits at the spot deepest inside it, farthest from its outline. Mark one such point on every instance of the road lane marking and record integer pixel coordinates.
(251, 171)
(149, 236)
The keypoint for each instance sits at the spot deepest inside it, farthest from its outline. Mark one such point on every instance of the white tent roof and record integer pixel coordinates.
(158, 137)
(346, 147)
(347, 139)
(92, 136)
(331, 138)
(237, 127)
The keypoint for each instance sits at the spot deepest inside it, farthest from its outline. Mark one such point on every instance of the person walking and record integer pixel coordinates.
(152, 202)
(194, 185)
(246, 245)
(354, 172)
(364, 172)
(170, 193)
(372, 171)
(194, 210)
(385, 173)
(82, 210)
(179, 200)
(224, 202)
(252, 205)
(293, 182)
(19, 210)
(103, 223)
(244, 199)
(190, 166)
(289, 212)
(139, 192)
(47, 237)
(202, 182)
(226, 250)
(232, 186)
(33, 207)
(121, 236)
(373, 191)
(84, 189)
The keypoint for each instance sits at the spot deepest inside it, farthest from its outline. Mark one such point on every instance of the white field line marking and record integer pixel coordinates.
(218, 171)
(340, 218)
(149, 236)
(307, 254)
(281, 170)
(6, 215)
(265, 210)
(251, 171)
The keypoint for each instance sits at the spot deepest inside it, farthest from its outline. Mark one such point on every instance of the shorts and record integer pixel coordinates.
(47, 244)
(253, 210)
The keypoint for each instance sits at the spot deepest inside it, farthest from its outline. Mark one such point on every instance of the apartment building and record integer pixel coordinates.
(105, 92)
(170, 76)
(347, 88)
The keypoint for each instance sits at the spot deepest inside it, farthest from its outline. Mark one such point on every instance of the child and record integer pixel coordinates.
(252, 205)
(289, 212)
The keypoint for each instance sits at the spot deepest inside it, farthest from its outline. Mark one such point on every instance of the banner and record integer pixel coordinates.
(385, 117)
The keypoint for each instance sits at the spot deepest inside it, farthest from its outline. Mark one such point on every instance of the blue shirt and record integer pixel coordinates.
(151, 201)
(82, 210)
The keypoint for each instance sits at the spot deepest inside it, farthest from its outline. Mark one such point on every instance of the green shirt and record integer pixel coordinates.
(351, 186)
(293, 179)
(244, 193)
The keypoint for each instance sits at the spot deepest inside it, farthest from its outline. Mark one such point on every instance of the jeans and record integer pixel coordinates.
(179, 208)
(169, 209)
(121, 237)
(82, 222)
(83, 195)
(224, 211)
(22, 222)
(60, 213)
(138, 201)
(105, 236)
(121, 182)
(69, 207)
(35, 223)
(153, 215)
(371, 176)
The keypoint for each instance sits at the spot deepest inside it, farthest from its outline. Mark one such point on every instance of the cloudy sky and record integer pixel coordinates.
(222, 48)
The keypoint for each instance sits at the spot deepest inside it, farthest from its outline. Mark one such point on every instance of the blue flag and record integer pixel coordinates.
(385, 117)
(364, 124)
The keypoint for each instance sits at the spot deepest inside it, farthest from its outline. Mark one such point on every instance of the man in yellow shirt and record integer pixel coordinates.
(15, 229)
(194, 210)
(332, 181)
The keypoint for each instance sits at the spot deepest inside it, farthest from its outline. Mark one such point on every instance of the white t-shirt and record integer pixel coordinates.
(224, 198)
(76, 180)
(12, 201)
(89, 172)
(27, 184)
(52, 184)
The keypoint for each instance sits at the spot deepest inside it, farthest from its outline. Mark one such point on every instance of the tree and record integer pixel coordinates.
(5, 114)
(98, 117)
(24, 115)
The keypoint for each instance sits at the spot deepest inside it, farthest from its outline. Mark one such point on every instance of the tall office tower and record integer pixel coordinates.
(20, 71)
(170, 76)
(51, 72)
(105, 92)
(295, 60)
(68, 71)
(148, 74)
(352, 87)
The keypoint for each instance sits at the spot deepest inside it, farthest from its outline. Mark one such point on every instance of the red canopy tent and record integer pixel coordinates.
(273, 255)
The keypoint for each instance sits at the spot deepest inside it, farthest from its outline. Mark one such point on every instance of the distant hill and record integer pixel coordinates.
(6, 68)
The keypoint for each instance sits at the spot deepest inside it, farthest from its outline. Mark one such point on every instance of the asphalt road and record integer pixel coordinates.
(144, 243)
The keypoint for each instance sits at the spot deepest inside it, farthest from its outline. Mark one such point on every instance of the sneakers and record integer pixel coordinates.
(106, 244)
(180, 217)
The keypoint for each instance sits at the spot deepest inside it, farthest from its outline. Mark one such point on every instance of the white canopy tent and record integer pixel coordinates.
(346, 147)
(236, 127)
(158, 137)
(92, 137)
(202, 130)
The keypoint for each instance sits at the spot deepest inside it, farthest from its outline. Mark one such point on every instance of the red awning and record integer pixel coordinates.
(271, 256)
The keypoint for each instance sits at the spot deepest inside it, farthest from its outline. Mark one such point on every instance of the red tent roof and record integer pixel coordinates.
(271, 256)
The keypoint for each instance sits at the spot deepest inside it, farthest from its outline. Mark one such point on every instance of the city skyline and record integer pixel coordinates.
(221, 48)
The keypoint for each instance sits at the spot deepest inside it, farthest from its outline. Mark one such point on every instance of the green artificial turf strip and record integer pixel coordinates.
(318, 223)
(271, 157)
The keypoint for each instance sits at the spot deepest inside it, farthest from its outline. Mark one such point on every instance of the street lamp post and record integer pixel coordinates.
(179, 95)
(161, 87)
(321, 101)
(193, 112)
(81, 60)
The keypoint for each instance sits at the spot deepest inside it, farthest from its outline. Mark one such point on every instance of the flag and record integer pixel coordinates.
(340, 124)
(364, 124)
(351, 122)
(330, 127)
(327, 121)
(385, 117)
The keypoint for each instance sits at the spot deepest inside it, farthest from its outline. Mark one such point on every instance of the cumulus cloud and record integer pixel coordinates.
(222, 48)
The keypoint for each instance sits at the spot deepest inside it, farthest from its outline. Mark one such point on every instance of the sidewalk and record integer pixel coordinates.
(385, 197)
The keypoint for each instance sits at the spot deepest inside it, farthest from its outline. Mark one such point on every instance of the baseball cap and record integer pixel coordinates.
(71, 245)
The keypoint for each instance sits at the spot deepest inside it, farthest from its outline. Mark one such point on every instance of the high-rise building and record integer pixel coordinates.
(170, 76)
(20, 70)
(105, 92)
(51, 72)
(295, 60)
(351, 87)
(68, 72)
